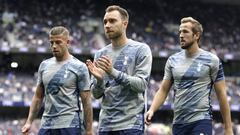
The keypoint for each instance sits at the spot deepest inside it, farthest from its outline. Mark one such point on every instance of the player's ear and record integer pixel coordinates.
(125, 23)
(68, 41)
(197, 35)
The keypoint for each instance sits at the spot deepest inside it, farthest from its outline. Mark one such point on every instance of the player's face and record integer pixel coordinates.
(186, 35)
(113, 25)
(59, 46)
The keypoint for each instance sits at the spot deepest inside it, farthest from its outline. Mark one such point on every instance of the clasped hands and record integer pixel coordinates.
(100, 66)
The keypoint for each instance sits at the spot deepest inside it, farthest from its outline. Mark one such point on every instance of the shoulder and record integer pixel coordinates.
(137, 44)
(103, 50)
(177, 55)
(77, 66)
(176, 58)
(208, 55)
(109, 46)
(46, 62)
(76, 62)
(49, 60)
(139, 48)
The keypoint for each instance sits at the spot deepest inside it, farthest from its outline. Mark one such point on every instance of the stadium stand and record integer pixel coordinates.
(23, 36)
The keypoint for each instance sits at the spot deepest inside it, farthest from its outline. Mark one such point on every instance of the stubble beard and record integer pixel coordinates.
(113, 35)
(187, 45)
(58, 55)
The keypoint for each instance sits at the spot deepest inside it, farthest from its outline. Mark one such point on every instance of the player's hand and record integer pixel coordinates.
(228, 131)
(148, 117)
(105, 63)
(89, 133)
(94, 69)
(26, 128)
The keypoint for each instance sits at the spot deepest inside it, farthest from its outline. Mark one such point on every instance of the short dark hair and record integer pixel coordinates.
(123, 12)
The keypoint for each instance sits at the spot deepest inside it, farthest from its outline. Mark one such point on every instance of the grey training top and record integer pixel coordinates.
(122, 94)
(193, 78)
(62, 82)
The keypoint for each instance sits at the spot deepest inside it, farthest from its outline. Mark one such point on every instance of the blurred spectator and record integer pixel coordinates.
(26, 24)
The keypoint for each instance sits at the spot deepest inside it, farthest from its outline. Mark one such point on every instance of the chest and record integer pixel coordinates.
(188, 69)
(123, 60)
(54, 76)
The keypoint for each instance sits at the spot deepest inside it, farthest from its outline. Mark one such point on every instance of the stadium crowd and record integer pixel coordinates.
(25, 27)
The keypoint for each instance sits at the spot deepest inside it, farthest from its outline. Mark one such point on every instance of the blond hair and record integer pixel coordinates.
(197, 27)
(59, 31)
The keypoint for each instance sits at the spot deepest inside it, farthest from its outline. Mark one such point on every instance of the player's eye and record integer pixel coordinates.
(112, 20)
(58, 42)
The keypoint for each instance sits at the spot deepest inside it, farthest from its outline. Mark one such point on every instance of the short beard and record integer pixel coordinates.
(186, 46)
(114, 36)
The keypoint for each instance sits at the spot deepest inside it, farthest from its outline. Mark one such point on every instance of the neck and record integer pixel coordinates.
(65, 57)
(194, 49)
(120, 41)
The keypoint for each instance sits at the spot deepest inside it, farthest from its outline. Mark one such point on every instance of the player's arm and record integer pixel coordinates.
(34, 108)
(97, 87)
(217, 74)
(220, 89)
(158, 99)
(139, 80)
(87, 108)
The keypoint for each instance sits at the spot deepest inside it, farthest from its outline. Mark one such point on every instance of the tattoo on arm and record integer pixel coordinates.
(87, 106)
(36, 104)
